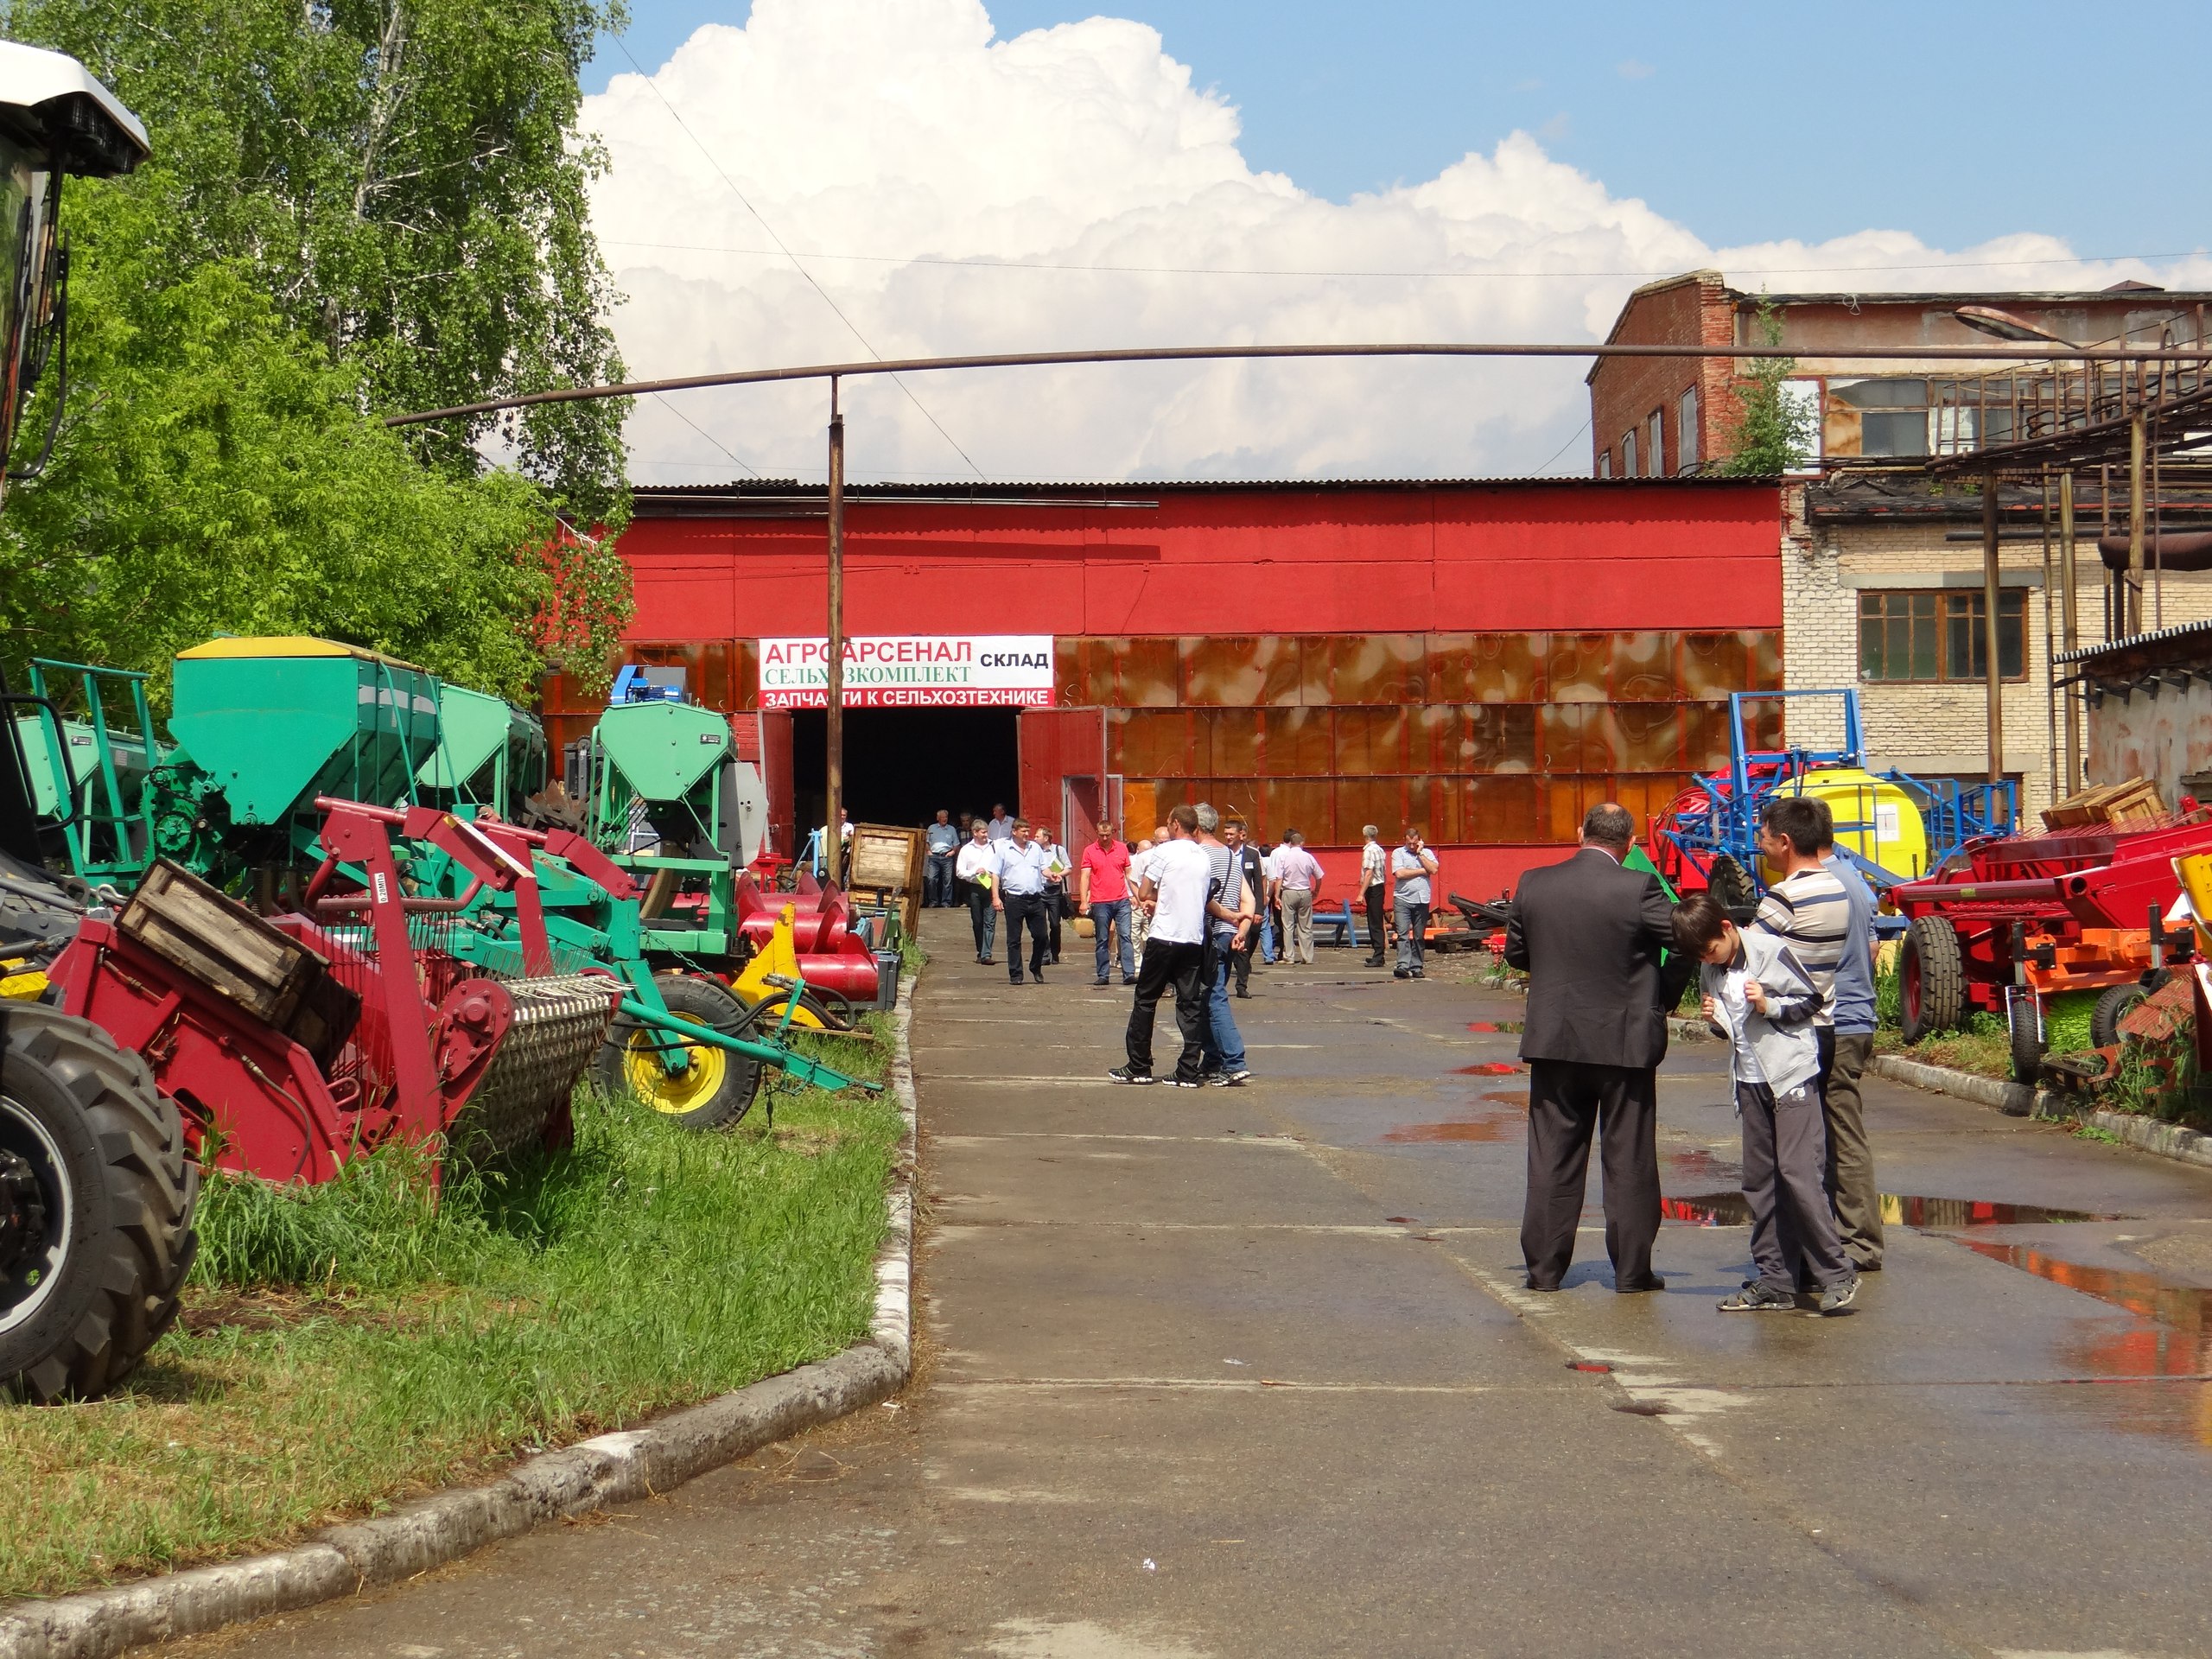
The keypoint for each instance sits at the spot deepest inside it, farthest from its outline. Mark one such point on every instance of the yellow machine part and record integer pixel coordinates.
(20, 982)
(1895, 836)
(2195, 870)
(778, 958)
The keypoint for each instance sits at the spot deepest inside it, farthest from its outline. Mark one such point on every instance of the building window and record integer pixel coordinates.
(1655, 447)
(1934, 637)
(1686, 432)
(1892, 416)
(1604, 463)
(1628, 453)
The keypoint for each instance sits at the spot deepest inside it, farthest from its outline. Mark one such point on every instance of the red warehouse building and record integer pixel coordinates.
(1483, 658)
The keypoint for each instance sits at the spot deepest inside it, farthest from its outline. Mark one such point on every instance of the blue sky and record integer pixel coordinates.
(1746, 122)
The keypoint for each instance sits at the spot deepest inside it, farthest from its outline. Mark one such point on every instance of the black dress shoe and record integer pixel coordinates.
(1654, 1282)
(1541, 1290)
(1373, 962)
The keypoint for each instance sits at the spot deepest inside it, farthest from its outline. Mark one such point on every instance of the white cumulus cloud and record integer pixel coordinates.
(950, 192)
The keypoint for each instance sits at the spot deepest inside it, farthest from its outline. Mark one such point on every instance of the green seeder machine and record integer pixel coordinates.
(262, 729)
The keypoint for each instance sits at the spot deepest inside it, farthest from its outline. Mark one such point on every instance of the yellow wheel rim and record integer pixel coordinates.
(676, 1094)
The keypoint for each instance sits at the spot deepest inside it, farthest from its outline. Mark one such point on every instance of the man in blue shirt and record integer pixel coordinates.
(1019, 893)
(1851, 1159)
(943, 842)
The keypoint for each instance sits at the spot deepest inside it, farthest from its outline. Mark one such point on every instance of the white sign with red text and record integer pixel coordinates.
(912, 670)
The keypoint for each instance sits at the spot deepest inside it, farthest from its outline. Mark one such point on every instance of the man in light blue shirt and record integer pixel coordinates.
(1851, 1183)
(943, 842)
(1019, 894)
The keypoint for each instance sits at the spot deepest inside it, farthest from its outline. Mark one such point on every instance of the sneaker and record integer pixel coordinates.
(1183, 1083)
(1402, 973)
(1223, 1080)
(1758, 1298)
(1124, 1074)
(1236, 1074)
(1837, 1298)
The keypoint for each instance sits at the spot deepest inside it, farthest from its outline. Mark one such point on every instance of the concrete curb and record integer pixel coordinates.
(617, 1468)
(2149, 1135)
(2013, 1099)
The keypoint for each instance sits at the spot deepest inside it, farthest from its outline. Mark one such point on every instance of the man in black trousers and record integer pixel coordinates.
(1590, 935)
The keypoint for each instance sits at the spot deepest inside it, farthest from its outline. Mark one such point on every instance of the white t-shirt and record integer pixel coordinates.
(1184, 875)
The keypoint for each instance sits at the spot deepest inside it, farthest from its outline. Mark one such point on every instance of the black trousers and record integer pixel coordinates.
(1240, 962)
(1052, 907)
(1568, 1099)
(1182, 968)
(1024, 908)
(1378, 917)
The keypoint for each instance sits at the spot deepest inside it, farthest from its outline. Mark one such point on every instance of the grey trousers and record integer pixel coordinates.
(1413, 933)
(1857, 1200)
(1785, 1172)
(1298, 924)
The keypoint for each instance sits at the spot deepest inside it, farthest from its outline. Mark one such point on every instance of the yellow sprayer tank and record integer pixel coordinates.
(1874, 818)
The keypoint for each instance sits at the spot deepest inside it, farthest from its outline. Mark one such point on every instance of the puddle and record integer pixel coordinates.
(1485, 1126)
(1899, 1209)
(1588, 1365)
(1488, 1068)
(1641, 1407)
(2180, 1347)
(1700, 1163)
(1509, 1027)
(1509, 1096)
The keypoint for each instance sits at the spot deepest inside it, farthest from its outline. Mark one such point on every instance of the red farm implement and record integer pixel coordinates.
(295, 1042)
(2042, 928)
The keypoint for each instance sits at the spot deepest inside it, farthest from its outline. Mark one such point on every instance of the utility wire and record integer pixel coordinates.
(1556, 454)
(983, 263)
(662, 400)
(789, 255)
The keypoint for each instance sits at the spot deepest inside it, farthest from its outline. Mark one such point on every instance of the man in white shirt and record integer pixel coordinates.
(1298, 875)
(977, 868)
(999, 826)
(1374, 889)
(1178, 879)
(1018, 892)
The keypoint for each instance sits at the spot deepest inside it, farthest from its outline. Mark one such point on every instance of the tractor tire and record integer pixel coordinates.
(96, 1192)
(716, 1086)
(2025, 1028)
(1732, 889)
(1931, 978)
(2113, 1006)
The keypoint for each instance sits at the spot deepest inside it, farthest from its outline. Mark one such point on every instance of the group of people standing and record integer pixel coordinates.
(1792, 994)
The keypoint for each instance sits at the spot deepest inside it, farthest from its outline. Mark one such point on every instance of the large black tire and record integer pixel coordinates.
(716, 1086)
(2113, 1006)
(100, 1195)
(1931, 978)
(2026, 1022)
(1731, 886)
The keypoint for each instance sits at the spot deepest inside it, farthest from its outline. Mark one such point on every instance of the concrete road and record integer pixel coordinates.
(1248, 1372)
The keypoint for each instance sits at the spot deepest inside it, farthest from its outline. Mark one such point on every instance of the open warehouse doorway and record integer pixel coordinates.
(901, 765)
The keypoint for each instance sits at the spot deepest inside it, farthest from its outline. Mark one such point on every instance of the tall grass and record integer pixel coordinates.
(351, 1344)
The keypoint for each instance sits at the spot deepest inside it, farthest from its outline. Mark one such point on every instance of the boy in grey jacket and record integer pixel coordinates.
(1760, 997)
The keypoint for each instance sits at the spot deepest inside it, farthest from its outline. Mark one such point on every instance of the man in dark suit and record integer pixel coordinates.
(1590, 934)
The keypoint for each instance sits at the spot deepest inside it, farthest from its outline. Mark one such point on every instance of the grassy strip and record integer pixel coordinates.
(354, 1344)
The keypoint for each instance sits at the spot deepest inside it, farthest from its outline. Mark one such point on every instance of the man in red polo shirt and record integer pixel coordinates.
(1105, 895)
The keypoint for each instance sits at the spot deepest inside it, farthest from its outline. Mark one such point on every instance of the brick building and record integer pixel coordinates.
(1881, 567)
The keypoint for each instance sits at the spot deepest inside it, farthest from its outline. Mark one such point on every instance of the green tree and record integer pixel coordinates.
(238, 323)
(217, 473)
(406, 179)
(1772, 433)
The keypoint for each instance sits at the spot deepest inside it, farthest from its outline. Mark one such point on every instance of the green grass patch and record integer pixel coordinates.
(355, 1344)
(1983, 1047)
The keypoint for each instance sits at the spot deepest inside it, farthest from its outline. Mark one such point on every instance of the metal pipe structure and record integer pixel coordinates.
(833, 722)
(1994, 678)
(2050, 646)
(1238, 354)
(2132, 622)
(2069, 621)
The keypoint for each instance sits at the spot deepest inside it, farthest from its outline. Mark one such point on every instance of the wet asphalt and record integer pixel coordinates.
(1246, 1372)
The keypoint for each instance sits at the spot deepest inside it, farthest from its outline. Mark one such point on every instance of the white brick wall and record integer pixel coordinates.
(1933, 728)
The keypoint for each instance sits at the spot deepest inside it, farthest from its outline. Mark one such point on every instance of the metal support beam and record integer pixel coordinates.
(1995, 678)
(2133, 621)
(2071, 634)
(833, 814)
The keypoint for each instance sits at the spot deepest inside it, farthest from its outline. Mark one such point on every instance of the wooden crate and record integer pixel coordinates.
(885, 868)
(267, 974)
(2135, 801)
